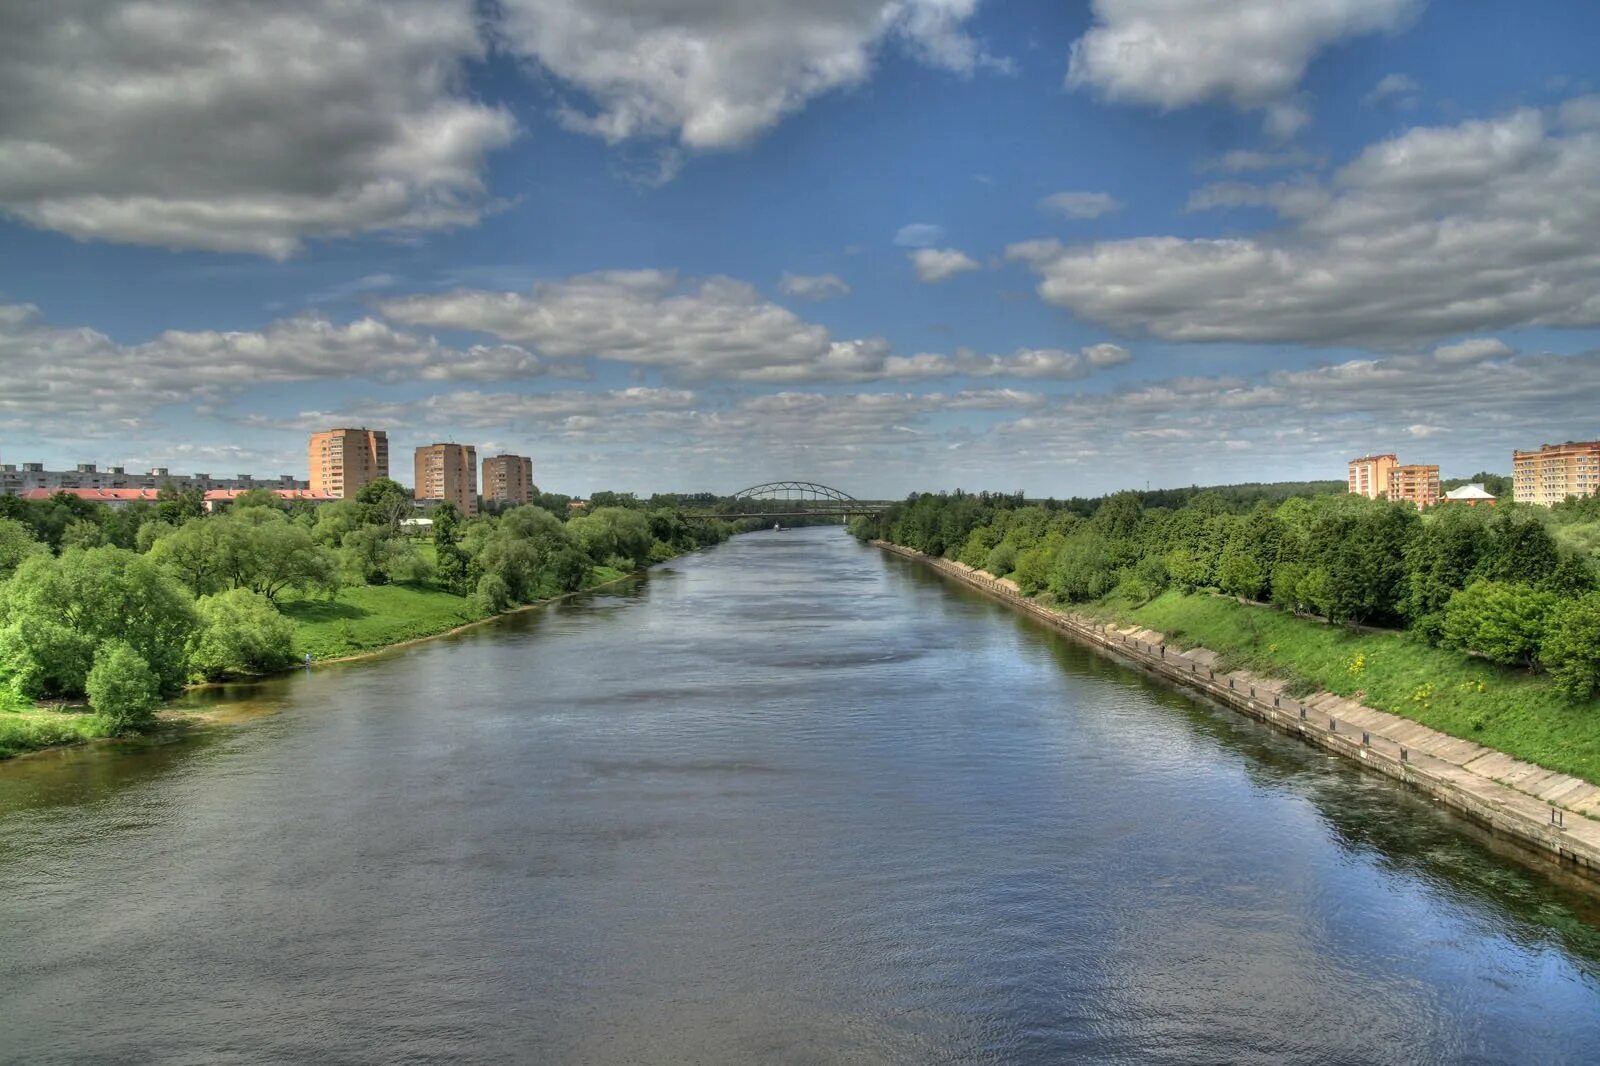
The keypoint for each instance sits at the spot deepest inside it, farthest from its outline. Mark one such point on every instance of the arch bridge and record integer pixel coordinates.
(797, 499)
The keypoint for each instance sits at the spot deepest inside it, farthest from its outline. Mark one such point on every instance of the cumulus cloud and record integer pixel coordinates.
(697, 329)
(715, 74)
(813, 286)
(59, 376)
(1291, 424)
(1473, 350)
(1437, 232)
(941, 264)
(1250, 53)
(919, 235)
(1080, 204)
(1394, 90)
(238, 126)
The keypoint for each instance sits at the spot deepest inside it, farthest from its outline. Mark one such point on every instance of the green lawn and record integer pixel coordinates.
(365, 617)
(1511, 710)
(27, 728)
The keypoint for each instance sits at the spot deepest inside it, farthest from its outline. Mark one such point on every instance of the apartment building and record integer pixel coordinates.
(1369, 475)
(1555, 471)
(343, 460)
(15, 480)
(507, 479)
(448, 473)
(1416, 483)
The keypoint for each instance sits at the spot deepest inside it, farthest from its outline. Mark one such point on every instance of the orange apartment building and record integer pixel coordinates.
(1375, 476)
(448, 473)
(507, 479)
(1415, 483)
(1369, 475)
(343, 460)
(1555, 471)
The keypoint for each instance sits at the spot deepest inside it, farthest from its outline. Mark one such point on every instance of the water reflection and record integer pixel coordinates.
(790, 801)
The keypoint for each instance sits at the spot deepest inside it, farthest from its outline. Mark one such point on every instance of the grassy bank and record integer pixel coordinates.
(368, 617)
(26, 728)
(1511, 710)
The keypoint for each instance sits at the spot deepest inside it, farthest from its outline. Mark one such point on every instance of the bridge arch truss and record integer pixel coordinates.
(795, 492)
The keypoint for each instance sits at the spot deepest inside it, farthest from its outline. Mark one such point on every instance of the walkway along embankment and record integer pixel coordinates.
(1549, 812)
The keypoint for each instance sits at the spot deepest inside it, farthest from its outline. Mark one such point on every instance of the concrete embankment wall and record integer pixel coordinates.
(1363, 735)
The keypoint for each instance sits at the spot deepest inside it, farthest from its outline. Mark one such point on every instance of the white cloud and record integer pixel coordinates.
(1251, 53)
(697, 328)
(813, 286)
(1395, 90)
(941, 264)
(1080, 204)
(57, 377)
(1053, 363)
(1473, 350)
(233, 125)
(715, 74)
(1434, 233)
(919, 235)
(708, 328)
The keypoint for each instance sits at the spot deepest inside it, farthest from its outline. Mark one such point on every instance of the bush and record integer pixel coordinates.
(1002, 560)
(122, 687)
(1502, 621)
(57, 612)
(1571, 650)
(241, 633)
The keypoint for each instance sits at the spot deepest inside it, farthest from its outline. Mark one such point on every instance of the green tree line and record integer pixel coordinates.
(124, 607)
(1516, 585)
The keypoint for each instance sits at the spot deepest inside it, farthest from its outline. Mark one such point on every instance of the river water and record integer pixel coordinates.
(789, 800)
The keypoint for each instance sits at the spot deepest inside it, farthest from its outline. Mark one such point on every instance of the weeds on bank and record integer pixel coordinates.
(1507, 709)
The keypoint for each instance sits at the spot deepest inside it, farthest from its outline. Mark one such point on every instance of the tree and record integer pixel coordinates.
(176, 506)
(1571, 650)
(258, 498)
(1361, 555)
(270, 553)
(335, 520)
(524, 555)
(122, 687)
(376, 555)
(16, 544)
(1502, 621)
(454, 567)
(1442, 559)
(83, 533)
(1083, 569)
(196, 553)
(57, 610)
(1240, 573)
(615, 536)
(241, 633)
(1519, 548)
(385, 502)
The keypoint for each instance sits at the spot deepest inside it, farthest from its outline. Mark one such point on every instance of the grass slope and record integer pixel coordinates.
(24, 727)
(366, 617)
(1510, 710)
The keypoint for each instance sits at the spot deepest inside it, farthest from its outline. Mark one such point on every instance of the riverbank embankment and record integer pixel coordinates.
(1549, 812)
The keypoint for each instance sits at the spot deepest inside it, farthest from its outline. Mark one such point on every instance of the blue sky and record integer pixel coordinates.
(884, 244)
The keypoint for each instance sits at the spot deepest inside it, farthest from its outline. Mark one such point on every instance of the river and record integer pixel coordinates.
(789, 800)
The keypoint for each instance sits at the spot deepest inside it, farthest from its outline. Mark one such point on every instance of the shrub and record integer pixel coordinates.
(1571, 650)
(1502, 621)
(241, 633)
(57, 612)
(122, 687)
(1002, 560)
